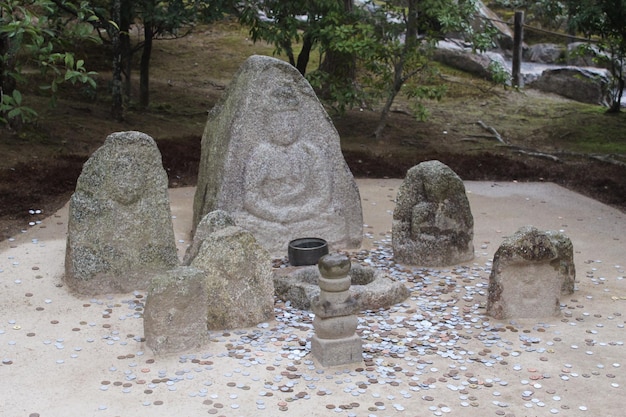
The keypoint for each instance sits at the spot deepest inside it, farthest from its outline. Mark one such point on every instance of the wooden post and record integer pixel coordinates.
(518, 40)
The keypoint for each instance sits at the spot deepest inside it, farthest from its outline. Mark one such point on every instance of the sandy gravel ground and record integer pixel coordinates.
(436, 354)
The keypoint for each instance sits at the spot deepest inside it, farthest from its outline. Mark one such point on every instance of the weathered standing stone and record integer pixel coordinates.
(432, 222)
(238, 279)
(335, 341)
(530, 271)
(175, 314)
(271, 157)
(120, 226)
(210, 223)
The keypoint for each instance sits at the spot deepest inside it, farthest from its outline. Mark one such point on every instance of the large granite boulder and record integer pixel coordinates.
(530, 271)
(545, 53)
(175, 314)
(583, 54)
(238, 279)
(120, 226)
(211, 223)
(227, 286)
(271, 158)
(485, 16)
(465, 59)
(581, 84)
(432, 222)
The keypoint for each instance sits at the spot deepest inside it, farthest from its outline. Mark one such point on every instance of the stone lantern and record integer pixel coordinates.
(335, 341)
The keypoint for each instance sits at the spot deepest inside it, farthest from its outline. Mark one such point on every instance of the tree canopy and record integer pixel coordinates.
(31, 37)
(389, 41)
(369, 52)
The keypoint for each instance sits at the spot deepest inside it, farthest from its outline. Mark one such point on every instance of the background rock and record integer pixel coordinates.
(545, 53)
(575, 83)
(464, 59)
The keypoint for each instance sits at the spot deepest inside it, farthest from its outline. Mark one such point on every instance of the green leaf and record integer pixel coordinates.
(14, 113)
(69, 60)
(17, 97)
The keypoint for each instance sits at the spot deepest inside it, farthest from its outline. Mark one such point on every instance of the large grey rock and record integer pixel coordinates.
(530, 271)
(545, 53)
(584, 85)
(238, 279)
(210, 223)
(484, 16)
(175, 314)
(464, 59)
(581, 54)
(432, 222)
(370, 288)
(120, 226)
(271, 157)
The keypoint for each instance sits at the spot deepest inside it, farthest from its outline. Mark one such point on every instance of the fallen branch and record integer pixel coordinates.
(491, 130)
(480, 136)
(608, 159)
(400, 111)
(539, 155)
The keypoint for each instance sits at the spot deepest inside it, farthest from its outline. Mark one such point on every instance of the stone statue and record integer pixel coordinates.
(120, 225)
(271, 158)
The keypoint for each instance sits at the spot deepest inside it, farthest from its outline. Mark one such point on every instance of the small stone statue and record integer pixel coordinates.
(531, 270)
(335, 341)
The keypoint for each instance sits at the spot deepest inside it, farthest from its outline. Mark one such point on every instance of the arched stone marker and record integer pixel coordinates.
(120, 228)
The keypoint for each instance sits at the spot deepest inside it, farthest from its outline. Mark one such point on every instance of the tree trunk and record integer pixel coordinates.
(393, 92)
(518, 43)
(398, 69)
(117, 105)
(303, 56)
(7, 66)
(8, 51)
(616, 105)
(384, 115)
(340, 66)
(8, 83)
(127, 53)
(144, 71)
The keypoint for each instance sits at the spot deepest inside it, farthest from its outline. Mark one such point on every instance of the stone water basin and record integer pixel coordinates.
(371, 288)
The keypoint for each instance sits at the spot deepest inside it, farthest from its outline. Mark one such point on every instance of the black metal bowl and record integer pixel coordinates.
(306, 251)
